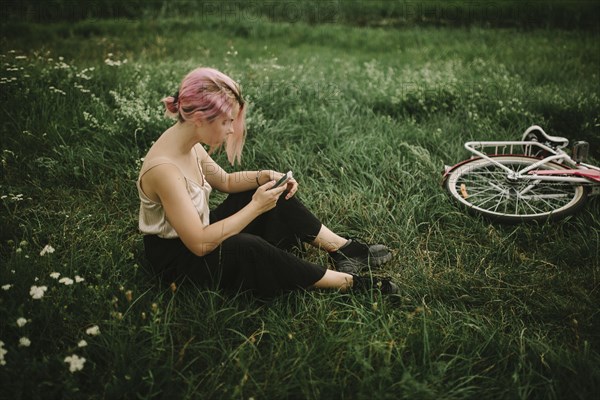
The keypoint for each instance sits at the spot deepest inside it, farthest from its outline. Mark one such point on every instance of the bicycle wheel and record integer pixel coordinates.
(485, 188)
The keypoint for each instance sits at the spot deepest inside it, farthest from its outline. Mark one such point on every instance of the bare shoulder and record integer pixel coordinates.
(201, 152)
(161, 178)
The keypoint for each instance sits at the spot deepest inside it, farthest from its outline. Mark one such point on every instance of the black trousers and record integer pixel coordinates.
(262, 258)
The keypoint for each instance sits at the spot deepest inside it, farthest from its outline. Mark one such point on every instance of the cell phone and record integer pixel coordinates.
(283, 180)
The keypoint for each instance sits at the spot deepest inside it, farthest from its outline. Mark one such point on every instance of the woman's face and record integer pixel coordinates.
(222, 127)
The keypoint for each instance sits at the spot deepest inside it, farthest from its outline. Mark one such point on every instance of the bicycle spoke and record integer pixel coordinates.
(488, 189)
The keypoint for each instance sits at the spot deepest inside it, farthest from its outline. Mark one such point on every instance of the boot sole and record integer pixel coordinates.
(354, 266)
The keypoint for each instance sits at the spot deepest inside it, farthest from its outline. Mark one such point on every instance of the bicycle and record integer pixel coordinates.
(529, 180)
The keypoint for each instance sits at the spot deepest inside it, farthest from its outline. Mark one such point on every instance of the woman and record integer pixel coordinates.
(247, 242)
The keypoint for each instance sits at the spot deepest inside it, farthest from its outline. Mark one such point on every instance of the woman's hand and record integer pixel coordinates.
(266, 198)
(291, 186)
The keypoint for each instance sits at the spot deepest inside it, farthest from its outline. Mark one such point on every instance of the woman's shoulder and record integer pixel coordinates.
(152, 162)
(200, 151)
(159, 174)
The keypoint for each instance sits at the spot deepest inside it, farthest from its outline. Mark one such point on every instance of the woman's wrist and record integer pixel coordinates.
(260, 180)
(258, 177)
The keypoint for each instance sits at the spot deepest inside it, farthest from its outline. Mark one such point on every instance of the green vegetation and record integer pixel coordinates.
(565, 14)
(366, 117)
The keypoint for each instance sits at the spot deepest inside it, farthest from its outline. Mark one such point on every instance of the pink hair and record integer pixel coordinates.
(204, 95)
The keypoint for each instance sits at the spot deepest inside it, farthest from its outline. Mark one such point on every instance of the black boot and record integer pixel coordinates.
(356, 255)
(366, 283)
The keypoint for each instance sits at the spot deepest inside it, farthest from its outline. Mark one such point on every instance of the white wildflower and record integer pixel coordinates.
(83, 75)
(3, 352)
(82, 343)
(91, 119)
(81, 88)
(21, 322)
(66, 281)
(37, 292)
(47, 250)
(56, 90)
(93, 330)
(75, 362)
(61, 64)
(24, 342)
(78, 279)
(6, 287)
(114, 63)
(54, 275)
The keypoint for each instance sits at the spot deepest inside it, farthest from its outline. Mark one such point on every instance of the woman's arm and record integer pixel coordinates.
(238, 181)
(168, 184)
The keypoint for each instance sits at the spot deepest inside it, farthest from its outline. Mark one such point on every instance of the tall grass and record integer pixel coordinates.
(366, 118)
(563, 14)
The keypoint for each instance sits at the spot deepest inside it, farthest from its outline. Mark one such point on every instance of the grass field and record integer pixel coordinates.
(366, 116)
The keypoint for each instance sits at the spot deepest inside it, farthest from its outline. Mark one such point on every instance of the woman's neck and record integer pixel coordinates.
(180, 138)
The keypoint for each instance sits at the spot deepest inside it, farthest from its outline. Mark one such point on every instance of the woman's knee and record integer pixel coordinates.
(244, 245)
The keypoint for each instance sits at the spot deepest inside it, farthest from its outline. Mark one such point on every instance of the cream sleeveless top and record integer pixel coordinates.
(152, 218)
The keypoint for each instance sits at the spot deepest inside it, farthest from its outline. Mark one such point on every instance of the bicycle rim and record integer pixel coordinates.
(484, 187)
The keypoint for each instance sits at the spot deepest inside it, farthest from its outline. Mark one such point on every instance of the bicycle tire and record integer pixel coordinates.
(484, 188)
